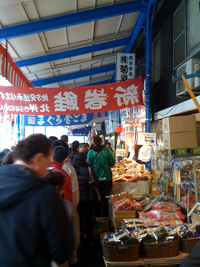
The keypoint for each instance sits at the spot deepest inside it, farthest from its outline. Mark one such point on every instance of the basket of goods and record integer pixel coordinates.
(120, 247)
(190, 235)
(160, 243)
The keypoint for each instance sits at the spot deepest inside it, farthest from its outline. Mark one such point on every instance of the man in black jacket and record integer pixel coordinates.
(193, 259)
(33, 225)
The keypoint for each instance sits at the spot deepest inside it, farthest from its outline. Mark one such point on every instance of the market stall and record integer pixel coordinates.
(149, 262)
(160, 235)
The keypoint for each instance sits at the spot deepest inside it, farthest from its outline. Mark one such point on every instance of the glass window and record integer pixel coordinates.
(179, 50)
(155, 58)
(193, 25)
(179, 35)
(179, 21)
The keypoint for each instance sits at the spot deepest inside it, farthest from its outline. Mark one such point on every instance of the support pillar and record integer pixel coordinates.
(148, 74)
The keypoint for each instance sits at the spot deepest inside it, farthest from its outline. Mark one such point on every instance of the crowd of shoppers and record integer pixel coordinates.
(45, 208)
(44, 200)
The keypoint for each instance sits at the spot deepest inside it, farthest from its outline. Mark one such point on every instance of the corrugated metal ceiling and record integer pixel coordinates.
(16, 12)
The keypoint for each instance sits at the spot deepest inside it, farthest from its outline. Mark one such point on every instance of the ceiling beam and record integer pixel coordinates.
(96, 83)
(73, 52)
(83, 63)
(70, 19)
(73, 75)
(138, 25)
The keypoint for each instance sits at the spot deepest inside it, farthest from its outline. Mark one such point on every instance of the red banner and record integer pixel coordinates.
(74, 100)
(11, 71)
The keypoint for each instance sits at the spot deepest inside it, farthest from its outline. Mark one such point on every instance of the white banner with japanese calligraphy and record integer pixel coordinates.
(125, 66)
(74, 100)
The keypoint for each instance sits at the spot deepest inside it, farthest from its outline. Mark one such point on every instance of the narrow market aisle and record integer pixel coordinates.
(92, 257)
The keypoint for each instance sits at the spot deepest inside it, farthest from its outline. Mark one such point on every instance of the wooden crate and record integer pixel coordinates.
(117, 216)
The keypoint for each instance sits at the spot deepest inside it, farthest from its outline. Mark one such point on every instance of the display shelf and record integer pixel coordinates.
(150, 262)
(183, 151)
(187, 164)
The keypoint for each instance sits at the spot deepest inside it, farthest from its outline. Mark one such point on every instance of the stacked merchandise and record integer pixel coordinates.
(160, 229)
(122, 206)
(129, 171)
(178, 176)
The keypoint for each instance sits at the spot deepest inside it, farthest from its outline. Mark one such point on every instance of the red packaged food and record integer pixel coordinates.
(145, 215)
(123, 204)
(126, 204)
(164, 206)
(164, 215)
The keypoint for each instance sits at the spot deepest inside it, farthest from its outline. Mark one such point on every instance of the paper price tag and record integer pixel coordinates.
(166, 185)
(120, 152)
(176, 176)
(178, 194)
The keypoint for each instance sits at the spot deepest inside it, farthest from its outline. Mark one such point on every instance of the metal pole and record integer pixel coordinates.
(148, 75)
(195, 181)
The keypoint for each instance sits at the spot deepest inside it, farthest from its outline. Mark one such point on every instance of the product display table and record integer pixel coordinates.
(149, 262)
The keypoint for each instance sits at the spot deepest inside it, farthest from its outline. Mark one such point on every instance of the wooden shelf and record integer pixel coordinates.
(149, 262)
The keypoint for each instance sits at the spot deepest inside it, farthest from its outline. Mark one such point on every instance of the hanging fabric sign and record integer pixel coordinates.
(11, 71)
(64, 120)
(74, 100)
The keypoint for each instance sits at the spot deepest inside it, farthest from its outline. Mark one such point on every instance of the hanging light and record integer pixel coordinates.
(118, 129)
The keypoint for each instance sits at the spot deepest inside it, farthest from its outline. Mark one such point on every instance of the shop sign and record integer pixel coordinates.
(125, 66)
(73, 100)
(134, 121)
(64, 120)
(146, 138)
(120, 152)
(139, 112)
(125, 113)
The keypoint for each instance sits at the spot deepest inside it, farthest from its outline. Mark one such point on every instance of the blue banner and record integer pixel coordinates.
(65, 120)
(81, 132)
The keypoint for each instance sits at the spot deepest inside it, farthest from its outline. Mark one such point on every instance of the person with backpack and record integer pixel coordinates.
(102, 159)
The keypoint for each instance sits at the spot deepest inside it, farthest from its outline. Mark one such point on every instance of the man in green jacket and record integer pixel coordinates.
(101, 158)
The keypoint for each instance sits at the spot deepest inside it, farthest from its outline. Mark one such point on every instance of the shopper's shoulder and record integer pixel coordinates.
(105, 150)
(69, 166)
(48, 191)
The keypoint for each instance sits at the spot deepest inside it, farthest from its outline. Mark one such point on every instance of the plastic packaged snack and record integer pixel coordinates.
(160, 234)
(126, 204)
(121, 238)
(145, 215)
(165, 205)
(172, 222)
(166, 215)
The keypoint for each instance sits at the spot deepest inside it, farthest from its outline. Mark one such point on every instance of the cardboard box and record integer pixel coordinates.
(117, 217)
(195, 217)
(156, 127)
(102, 225)
(138, 188)
(179, 124)
(180, 140)
(154, 190)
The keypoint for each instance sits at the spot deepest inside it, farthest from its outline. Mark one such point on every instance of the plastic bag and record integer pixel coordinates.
(166, 215)
(164, 206)
(123, 204)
